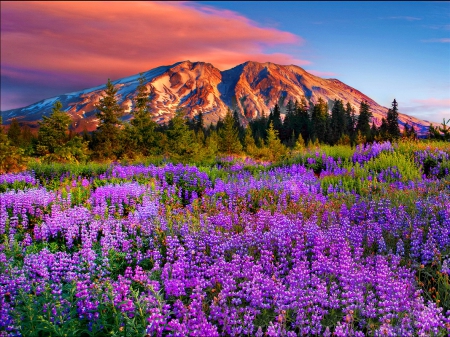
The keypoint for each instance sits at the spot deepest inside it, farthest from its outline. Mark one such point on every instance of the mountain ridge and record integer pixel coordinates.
(252, 88)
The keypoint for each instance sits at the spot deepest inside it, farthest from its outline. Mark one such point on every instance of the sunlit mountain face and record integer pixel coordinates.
(251, 88)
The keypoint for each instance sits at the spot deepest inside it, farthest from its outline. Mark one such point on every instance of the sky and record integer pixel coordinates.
(386, 50)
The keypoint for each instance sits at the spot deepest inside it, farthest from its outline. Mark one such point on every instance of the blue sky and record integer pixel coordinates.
(386, 50)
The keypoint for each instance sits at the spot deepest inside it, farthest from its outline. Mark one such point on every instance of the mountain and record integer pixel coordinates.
(252, 88)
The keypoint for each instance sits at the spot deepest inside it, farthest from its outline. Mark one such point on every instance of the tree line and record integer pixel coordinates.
(267, 137)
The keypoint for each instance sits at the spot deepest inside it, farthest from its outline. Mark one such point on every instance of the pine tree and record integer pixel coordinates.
(319, 121)
(249, 142)
(199, 122)
(300, 143)
(181, 144)
(364, 117)
(275, 118)
(338, 122)
(384, 130)
(53, 130)
(273, 144)
(229, 136)
(142, 133)
(392, 121)
(15, 133)
(304, 122)
(107, 136)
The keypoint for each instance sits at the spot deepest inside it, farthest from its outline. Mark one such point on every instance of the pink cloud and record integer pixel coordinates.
(442, 40)
(431, 109)
(50, 48)
(115, 39)
(433, 102)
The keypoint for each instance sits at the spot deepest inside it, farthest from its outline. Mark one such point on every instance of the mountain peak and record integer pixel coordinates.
(252, 88)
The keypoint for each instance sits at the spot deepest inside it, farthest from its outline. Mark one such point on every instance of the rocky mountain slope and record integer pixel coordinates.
(252, 88)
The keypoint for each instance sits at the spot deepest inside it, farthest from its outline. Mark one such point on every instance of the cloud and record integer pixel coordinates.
(407, 18)
(89, 42)
(431, 109)
(442, 40)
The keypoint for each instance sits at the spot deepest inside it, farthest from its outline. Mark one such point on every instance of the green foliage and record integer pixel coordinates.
(182, 145)
(392, 122)
(106, 140)
(12, 158)
(363, 126)
(140, 135)
(275, 150)
(53, 130)
(319, 121)
(229, 136)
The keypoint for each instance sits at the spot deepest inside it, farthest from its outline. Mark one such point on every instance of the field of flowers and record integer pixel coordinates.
(334, 242)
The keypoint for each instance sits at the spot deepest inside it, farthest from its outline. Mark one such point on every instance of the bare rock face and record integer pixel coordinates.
(251, 88)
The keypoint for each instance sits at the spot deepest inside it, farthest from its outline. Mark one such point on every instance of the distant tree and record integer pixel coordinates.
(229, 136)
(15, 133)
(259, 128)
(363, 125)
(107, 136)
(53, 130)
(337, 122)
(384, 130)
(11, 157)
(199, 122)
(392, 121)
(300, 143)
(304, 122)
(249, 142)
(141, 136)
(275, 118)
(181, 142)
(319, 121)
(273, 144)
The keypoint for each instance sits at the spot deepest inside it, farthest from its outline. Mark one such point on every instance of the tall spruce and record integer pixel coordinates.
(143, 134)
(363, 125)
(181, 144)
(392, 121)
(15, 133)
(53, 130)
(337, 122)
(319, 121)
(275, 149)
(275, 118)
(107, 136)
(229, 136)
(304, 122)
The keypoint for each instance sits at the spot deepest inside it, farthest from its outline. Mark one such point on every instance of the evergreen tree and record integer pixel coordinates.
(249, 142)
(384, 129)
(107, 136)
(275, 118)
(229, 136)
(392, 121)
(319, 121)
(53, 130)
(275, 148)
(142, 134)
(338, 122)
(181, 144)
(363, 125)
(300, 143)
(304, 122)
(15, 133)
(199, 122)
